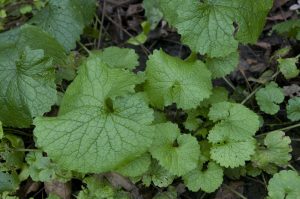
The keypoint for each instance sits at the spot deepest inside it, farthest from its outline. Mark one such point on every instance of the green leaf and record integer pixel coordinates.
(178, 153)
(269, 98)
(207, 180)
(3, 14)
(53, 196)
(276, 151)
(219, 94)
(26, 9)
(141, 37)
(65, 20)
(290, 28)
(87, 9)
(97, 84)
(96, 187)
(293, 109)
(136, 167)
(40, 168)
(235, 122)
(35, 38)
(158, 175)
(207, 26)
(231, 137)
(172, 80)
(288, 67)
(235, 173)
(100, 127)
(233, 153)
(118, 57)
(152, 12)
(8, 182)
(252, 170)
(15, 141)
(170, 194)
(205, 147)
(6, 195)
(284, 184)
(11, 160)
(27, 86)
(222, 66)
(193, 121)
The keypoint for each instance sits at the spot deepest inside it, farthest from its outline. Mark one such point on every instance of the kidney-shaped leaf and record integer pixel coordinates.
(100, 126)
(27, 87)
(208, 26)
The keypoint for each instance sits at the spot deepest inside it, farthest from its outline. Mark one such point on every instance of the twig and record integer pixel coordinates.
(250, 95)
(234, 191)
(121, 28)
(15, 131)
(288, 128)
(253, 92)
(255, 180)
(282, 129)
(203, 195)
(84, 48)
(244, 76)
(27, 150)
(273, 124)
(293, 168)
(229, 83)
(101, 24)
(147, 52)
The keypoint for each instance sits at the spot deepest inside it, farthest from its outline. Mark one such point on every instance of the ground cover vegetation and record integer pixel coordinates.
(149, 99)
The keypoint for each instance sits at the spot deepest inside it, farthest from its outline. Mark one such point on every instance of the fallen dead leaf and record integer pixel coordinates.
(279, 3)
(32, 187)
(292, 90)
(63, 190)
(119, 181)
(281, 16)
(134, 9)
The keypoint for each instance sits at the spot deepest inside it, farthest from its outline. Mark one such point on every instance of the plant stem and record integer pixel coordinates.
(273, 124)
(288, 128)
(290, 166)
(203, 195)
(295, 139)
(234, 191)
(146, 51)
(282, 129)
(253, 92)
(84, 48)
(27, 150)
(15, 131)
(250, 95)
(229, 83)
(101, 24)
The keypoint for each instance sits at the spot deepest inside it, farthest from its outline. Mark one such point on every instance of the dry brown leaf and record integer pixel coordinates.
(63, 190)
(292, 90)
